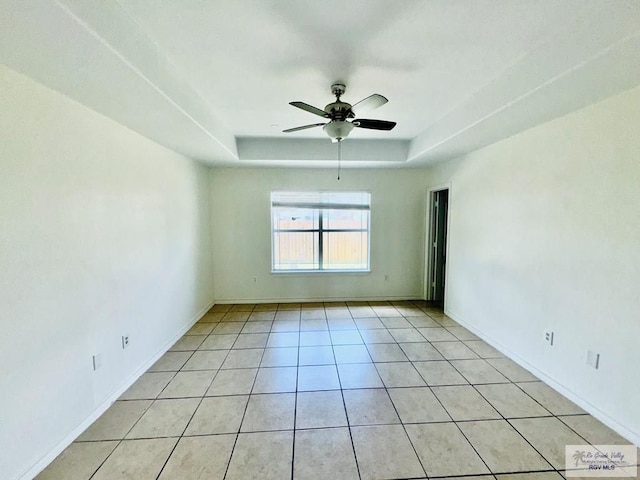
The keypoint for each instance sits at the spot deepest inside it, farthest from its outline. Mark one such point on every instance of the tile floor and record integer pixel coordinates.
(356, 390)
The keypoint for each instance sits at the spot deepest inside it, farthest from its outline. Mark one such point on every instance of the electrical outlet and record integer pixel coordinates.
(386, 277)
(97, 361)
(548, 337)
(593, 359)
(125, 341)
(255, 279)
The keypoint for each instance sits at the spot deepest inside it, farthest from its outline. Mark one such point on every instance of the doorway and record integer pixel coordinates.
(439, 209)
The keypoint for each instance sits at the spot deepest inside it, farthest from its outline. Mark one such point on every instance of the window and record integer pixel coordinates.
(320, 231)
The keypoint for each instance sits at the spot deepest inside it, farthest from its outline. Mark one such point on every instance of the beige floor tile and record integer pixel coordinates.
(314, 339)
(78, 461)
(188, 384)
(465, 403)
(165, 418)
(362, 312)
(227, 328)
(242, 307)
(324, 453)
(285, 326)
(594, 431)
(492, 438)
(270, 307)
(273, 411)
(401, 374)
(116, 422)
(322, 355)
(275, 379)
(170, 362)
(340, 323)
(444, 451)
(420, 352)
(549, 436)
(455, 350)
(462, 333)
(359, 375)
(406, 335)
(136, 460)
(439, 373)
(369, 407)
(395, 322)
(251, 340)
(437, 334)
(320, 409)
(318, 377)
(512, 370)
(386, 311)
(368, 323)
(221, 307)
(422, 321)
(314, 325)
(201, 328)
(376, 336)
(260, 316)
(257, 327)
(283, 339)
(550, 399)
(212, 317)
(478, 371)
(280, 357)
(337, 314)
(188, 343)
(313, 314)
(418, 405)
(511, 402)
(206, 360)
(192, 458)
(233, 382)
(236, 317)
(385, 452)
(262, 456)
(219, 342)
(148, 386)
(246, 358)
(351, 354)
(386, 352)
(483, 349)
(531, 476)
(218, 415)
(287, 315)
(346, 337)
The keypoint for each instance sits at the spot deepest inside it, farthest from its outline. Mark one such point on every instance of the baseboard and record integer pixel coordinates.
(630, 435)
(75, 433)
(226, 301)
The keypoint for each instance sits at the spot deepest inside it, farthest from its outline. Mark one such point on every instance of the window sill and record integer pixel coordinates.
(320, 272)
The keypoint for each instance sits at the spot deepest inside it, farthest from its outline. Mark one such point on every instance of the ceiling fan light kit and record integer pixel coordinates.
(340, 115)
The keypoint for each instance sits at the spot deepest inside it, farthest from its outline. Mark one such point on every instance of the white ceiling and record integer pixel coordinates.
(212, 79)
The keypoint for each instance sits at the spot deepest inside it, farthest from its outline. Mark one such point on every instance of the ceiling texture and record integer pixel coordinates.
(212, 79)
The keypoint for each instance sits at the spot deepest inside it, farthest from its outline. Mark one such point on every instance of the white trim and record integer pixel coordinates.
(41, 464)
(630, 435)
(409, 298)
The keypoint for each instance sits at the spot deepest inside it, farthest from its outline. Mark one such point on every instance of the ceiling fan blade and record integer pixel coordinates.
(374, 124)
(310, 108)
(371, 102)
(304, 127)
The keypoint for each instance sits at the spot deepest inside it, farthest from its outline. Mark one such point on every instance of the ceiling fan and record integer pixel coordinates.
(342, 115)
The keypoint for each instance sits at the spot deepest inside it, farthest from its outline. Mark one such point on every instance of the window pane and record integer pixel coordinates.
(345, 219)
(295, 251)
(295, 219)
(345, 250)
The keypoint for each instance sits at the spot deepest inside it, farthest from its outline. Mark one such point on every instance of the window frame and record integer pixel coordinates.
(320, 207)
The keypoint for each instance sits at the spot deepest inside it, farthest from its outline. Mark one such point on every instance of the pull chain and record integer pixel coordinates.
(339, 156)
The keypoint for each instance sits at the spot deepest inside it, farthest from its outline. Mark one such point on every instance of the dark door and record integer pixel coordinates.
(440, 206)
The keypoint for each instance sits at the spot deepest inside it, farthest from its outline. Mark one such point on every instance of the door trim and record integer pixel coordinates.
(428, 257)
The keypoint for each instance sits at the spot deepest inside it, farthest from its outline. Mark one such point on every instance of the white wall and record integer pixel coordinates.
(102, 233)
(242, 236)
(545, 233)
